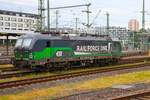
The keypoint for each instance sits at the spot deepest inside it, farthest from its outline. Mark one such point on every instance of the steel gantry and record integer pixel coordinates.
(74, 6)
(41, 13)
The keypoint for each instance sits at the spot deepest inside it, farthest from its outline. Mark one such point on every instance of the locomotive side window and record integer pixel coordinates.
(48, 44)
(39, 45)
(149, 39)
(61, 43)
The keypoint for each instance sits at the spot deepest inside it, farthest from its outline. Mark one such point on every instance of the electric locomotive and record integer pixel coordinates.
(48, 51)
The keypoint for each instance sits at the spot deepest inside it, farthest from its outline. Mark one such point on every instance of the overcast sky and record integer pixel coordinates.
(121, 11)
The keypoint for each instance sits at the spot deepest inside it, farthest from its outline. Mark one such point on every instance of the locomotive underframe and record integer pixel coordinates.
(66, 63)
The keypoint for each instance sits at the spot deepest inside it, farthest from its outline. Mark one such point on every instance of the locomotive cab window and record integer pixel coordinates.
(39, 45)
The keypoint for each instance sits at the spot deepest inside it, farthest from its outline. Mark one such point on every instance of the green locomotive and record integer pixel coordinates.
(48, 51)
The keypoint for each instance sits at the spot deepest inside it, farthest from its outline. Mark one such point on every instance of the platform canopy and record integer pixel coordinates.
(14, 33)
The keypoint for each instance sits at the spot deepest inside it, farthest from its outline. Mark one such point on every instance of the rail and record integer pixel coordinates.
(68, 75)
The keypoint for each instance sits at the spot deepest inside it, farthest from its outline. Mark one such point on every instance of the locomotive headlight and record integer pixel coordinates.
(30, 56)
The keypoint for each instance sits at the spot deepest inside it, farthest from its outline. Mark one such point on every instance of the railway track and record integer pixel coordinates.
(144, 95)
(7, 69)
(5, 61)
(65, 76)
(14, 74)
(11, 70)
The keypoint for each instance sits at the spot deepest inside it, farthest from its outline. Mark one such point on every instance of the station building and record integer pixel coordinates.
(13, 24)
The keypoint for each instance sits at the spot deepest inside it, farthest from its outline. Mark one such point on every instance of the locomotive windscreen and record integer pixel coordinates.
(19, 43)
(23, 42)
(26, 42)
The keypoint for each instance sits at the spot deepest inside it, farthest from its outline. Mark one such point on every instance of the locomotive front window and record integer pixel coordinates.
(19, 43)
(26, 42)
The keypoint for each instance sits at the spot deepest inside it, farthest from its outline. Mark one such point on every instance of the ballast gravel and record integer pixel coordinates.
(108, 93)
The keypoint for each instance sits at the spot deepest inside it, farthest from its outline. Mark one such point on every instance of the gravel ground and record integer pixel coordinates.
(65, 81)
(108, 93)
